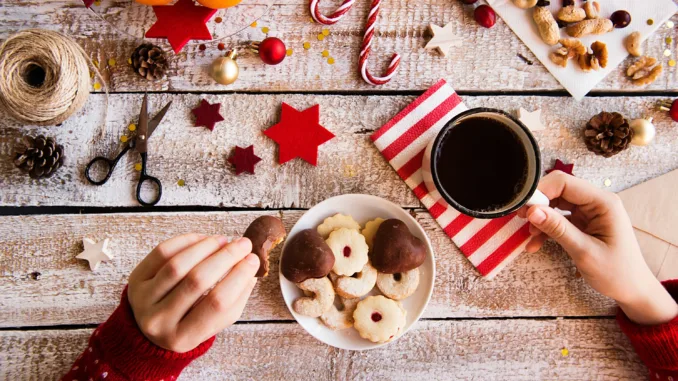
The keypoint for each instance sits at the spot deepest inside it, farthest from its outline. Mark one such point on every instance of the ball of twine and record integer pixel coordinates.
(44, 77)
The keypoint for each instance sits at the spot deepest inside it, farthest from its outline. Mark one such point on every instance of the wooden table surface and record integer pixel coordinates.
(515, 326)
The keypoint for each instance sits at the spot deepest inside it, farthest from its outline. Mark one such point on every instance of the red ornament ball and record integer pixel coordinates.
(272, 50)
(485, 16)
(673, 112)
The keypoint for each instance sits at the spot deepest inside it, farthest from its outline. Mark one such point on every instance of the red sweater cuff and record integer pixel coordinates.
(657, 346)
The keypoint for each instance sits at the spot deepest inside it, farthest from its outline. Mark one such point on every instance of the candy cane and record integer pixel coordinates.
(334, 17)
(366, 48)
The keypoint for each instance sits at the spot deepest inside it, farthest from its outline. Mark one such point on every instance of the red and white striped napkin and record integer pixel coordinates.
(488, 244)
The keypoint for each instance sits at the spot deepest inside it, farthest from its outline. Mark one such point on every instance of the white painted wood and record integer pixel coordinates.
(349, 163)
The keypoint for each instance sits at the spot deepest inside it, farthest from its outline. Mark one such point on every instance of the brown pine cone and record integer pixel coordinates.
(149, 61)
(607, 134)
(39, 157)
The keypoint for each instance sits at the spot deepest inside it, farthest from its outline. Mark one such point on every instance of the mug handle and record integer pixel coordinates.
(538, 198)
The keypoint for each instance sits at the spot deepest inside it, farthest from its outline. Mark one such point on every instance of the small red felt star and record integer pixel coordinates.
(244, 159)
(299, 134)
(181, 22)
(560, 166)
(207, 115)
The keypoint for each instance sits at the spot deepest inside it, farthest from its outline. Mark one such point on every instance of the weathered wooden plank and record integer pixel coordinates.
(347, 164)
(486, 61)
(66, 292)
(433, 350)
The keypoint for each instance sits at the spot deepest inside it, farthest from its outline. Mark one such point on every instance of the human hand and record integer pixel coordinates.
(600, 240)
(166, 290)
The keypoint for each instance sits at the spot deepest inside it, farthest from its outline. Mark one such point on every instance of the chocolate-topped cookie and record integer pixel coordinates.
(306, 255)
(266, 232)
(395, 249)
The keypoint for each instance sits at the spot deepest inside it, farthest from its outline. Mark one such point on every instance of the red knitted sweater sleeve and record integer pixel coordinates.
(657, 346)
(118, 350)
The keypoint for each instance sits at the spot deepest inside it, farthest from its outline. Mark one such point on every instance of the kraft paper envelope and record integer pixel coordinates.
(653, 208)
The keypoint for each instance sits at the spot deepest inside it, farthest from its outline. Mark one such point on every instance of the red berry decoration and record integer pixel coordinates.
(485, 16)
(620, 19)
(271, 50)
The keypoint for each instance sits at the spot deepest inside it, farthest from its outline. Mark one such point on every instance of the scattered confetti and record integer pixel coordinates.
(95, 63)
(330, 60)
(349, 170)
(669, 40)
(667, 53)
(111, 62)
(97, 2)
(307, 45)
(265, 30)
(289, 52)
(137, 167)
(669, 24)
(311, 18)
(672, 63)
(181, 182)
(218, 20)
(132, 127)
(129, 61)
(326, 53)
(254, 24)
(607, 182)
(97, 86)
(221, 46)
(123, 138)
(91, 74)
(202, 47)
(564, 352)
(326, 32)
(321, 37)
(650, 21)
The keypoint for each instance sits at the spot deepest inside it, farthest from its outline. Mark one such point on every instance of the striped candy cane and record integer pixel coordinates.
(366, 48)
(334, 17)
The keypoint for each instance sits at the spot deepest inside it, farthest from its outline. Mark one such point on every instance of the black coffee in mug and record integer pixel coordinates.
(482, 164)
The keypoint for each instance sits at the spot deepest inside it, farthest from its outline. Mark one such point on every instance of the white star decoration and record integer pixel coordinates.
(95, 252)
(531, 120)
(443, 38)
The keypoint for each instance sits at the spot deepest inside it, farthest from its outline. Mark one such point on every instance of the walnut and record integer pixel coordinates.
(595, 60)
(571, 13)
(592, 9)
(643, 71)
(571, 48)
(591, 26)
(600, 53)
(632, 44)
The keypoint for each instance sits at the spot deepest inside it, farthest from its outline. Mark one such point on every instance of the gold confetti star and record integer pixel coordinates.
(669, 40)
(132, 127)
(289, 52)
(650, 21)
(254, 24)
(312, 21)
(97, 86)
(265, 30)
(123, 138)
(330, 61)
(129, 61)
(307, 45)
(111, 62)
(564, 352)
(326, 32)
(672, 63)
(137, 167)
(607, 182)
(321, 37)
(97, 2)
(349, 170)
(181, 182)
(667, 53)
(325, 53)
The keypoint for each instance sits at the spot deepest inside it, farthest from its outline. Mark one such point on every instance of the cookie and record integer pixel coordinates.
(379, 319)
(321, 301)
(266, 232)
(306, 255)
(349, 249)
(336, 222)
(398, 286)
(395, 249)
(370, 230)
(357, 285)
(341, 317)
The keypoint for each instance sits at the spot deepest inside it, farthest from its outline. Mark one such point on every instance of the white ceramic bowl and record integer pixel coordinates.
(362, 208)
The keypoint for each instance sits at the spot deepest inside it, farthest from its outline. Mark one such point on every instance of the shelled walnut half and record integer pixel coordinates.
(643, 71)
(595, 60)
(571, 48)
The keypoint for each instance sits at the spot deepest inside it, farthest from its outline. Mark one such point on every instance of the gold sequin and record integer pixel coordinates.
(97, 86)
(325, 53)
(669, 40)
(565, 352)
(307, 45)
(181, 182)
(289, 52)
(91, 74)
(137, 167)
(129, 61)
(607, 182)
(123, 138)
(667, 53)
(111, 62)
(132, 127)
(326, 32)
(254, 24)
(97, 2)
(330, 60)
(672, 63)
(312, 19)
(321, 37)
(265, 30)
(650, 21)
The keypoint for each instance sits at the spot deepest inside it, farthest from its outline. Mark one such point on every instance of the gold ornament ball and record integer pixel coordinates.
(224, 69)
(643, 131)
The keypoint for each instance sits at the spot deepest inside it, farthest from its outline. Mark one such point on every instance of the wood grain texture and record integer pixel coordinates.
(349, 163)
(487, 61)
(542, 284)
(432, 350)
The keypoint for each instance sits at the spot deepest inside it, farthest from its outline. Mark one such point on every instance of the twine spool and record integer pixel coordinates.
(44, 77)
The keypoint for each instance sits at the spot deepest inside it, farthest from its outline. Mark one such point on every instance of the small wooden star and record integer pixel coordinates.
(180, 23)
(95, 252)
(244, 159)
(443, 39)
(560, 166)
(207, 115)
(531, 120)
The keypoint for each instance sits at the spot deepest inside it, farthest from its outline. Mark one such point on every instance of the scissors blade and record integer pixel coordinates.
(141, 143)
(153, 124)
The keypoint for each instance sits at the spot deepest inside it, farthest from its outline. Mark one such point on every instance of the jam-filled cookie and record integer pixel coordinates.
(379, 319)
(349, 249)
(335, 222)
(358, 284)
(318, 303)
(341, 317)
(370, 230)
(398, 286)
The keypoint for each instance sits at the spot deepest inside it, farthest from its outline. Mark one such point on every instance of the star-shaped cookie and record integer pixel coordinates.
(531, 120)
(244, 159)
(443, 39)
(180, 23)
(299, 134)
(560, 166)
(207, 115)
(95, 252)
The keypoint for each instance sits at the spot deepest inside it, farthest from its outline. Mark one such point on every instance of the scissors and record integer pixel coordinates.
(138, 141)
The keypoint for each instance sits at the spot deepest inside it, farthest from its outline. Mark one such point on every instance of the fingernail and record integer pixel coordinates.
(242, 242)
(537, 217)
(252, 260)
(221, 239)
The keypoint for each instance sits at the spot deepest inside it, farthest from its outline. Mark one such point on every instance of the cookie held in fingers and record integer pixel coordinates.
(358, 284)
(266, 232)
(379, 319)
(398, 286)
(341, 317)
(318, 303)
(395, 249)
(349, 249)
(306, 255)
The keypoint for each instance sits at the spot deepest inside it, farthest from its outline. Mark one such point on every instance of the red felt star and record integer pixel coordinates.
(181, 22)
(88, 3)
(244, 160)
(299, 134)
(560, 166)
(207, 115)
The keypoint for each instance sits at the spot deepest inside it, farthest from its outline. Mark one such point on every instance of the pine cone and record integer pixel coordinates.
(149, 61)
(607, 134)
(39, 157)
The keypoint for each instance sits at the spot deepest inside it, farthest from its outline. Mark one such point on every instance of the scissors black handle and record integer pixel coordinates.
(143, 177)
(109, 164)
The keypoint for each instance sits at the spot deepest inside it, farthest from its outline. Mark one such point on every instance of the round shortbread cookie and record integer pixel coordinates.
(335, 222)
(398, 286)
(342, 317)
(370, 230)
(349, 249)
(321, 300)
(357, 285)
(379, 319)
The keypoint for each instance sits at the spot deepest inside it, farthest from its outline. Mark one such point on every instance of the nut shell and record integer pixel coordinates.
(395, 249)
(306, 255)
(266, 232)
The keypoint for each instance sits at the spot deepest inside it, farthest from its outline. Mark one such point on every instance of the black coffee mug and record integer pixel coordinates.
(528, 194)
